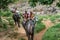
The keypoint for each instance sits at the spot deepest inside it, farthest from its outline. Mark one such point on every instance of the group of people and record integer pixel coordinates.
(26, 16)
(28, 22)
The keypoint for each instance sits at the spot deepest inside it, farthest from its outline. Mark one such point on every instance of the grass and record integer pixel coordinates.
(50, 17)
(21, 38)
(11, 21)
(3, 26)
(39, 26)
(52, 33)
(6, 13)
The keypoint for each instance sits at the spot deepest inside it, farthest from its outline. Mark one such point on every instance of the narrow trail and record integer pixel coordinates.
(39, 35)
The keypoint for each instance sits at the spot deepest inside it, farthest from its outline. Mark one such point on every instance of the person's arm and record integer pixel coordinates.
(23, 15)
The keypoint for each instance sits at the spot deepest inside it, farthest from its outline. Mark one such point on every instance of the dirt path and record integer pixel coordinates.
(38, 36)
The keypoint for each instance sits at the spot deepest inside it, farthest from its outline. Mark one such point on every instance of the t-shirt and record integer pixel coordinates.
(25, 15)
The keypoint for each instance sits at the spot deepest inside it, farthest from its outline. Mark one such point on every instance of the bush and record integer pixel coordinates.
(46, 1)
(58, 4)
(4, 26)
(6, 13)
(0, 22)
(39, 26)
(11, 22)
(54, 17)
(52, 33)
(21, 39)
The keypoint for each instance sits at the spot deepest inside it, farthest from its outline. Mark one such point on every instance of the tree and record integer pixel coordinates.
(44, 2)
(58, 4)
(4, 3)
(33, 3)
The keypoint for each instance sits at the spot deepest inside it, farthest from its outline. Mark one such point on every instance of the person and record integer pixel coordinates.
(16, 16)
(25, 16)
(28, 16)
(31, 15)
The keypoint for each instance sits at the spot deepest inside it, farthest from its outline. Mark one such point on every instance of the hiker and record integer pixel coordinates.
(25, 16)
(31, 15)
(16, 16)
(29, 25)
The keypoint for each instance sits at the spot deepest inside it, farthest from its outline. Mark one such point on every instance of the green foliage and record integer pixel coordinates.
(3, 25)
(45, 2)
(1, 13)
(10, 20)
(33, 3)
(50, 17)
(58, 4)
(4, 3)
(0, 22)
(21, 39)
(13, 35)
(5, 13)
(52, 33)
(39, 26)
(54, 17)
(57, 25)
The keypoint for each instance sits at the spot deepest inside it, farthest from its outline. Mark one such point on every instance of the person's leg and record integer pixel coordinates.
(32, 35)
(24, 24)
(15, 22)
(18, 23)
(28, 36)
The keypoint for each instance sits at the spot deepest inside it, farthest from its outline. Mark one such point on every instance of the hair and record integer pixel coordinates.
(25, 11)
(31, 12)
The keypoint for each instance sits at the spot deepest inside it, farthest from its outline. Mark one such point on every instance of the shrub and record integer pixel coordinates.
(46, 1)
(52, 33)
(58, 4)
(4, 26)
(0, 22)
(21, 39)
(54, 17)
(39, 26)
(11, 22)
(6, 13)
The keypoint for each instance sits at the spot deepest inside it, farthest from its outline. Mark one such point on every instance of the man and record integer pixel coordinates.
(25, 16)
(16, 16)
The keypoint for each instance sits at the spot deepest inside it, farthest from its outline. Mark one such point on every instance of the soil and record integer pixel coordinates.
(21, 32)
